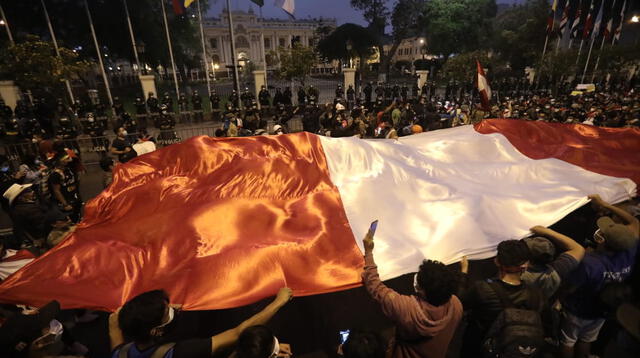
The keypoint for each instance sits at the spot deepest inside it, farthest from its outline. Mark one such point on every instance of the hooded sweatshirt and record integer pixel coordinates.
(422, 330)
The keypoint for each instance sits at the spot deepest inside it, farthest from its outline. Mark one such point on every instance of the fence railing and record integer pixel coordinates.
(92, 149)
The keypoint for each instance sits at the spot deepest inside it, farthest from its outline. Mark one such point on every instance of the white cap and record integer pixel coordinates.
(339, 107)
(276, 128)
(14, 191)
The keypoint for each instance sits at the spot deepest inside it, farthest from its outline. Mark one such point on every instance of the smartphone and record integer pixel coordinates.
(373, 227)
(344, 335)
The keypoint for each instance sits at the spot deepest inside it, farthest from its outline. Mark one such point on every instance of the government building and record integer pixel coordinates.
(248, 28)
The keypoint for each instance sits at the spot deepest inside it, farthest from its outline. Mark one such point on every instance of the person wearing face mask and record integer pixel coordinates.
(36, 335)
(426, 320)
(121, 146)
(487, 300)
(603, 268)
(259, 342)
(145, 323)
(63, 186)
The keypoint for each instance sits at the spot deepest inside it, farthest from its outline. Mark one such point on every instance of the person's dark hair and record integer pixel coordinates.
(437, 281)
(255, 342)
(117, 129)
(106, 163)
(513, 253)
(141, 314)
(363, 345)
(30, 159)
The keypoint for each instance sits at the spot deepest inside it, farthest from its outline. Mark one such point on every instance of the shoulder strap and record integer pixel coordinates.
(501, 293)
(162, 350)
(124, 350)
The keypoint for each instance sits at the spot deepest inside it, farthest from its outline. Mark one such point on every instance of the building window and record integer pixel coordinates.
(267, 43)
(295, 39)
(214, 43)
(242, 42)
(281, 42)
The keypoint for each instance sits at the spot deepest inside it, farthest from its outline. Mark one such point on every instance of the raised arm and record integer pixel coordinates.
(229, 337)
(565, 242)
(630, 221)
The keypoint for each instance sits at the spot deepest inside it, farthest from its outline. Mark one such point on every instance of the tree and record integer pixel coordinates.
(295, 62)
(519, 33)
(334, 46)
(375, 12)
(456, 26)
(463, 67)
(403, 19)
(34, 66)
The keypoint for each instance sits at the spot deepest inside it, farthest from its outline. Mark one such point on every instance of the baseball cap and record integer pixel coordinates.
(19, 331)
(617, 237)
(542, 250)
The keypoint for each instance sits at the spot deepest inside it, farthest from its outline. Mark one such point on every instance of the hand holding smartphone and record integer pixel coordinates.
(368, 239)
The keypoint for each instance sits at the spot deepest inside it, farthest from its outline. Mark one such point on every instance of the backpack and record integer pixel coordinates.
(515, 333)
(159, 351)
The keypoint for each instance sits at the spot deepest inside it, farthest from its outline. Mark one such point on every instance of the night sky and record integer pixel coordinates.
(340, 9)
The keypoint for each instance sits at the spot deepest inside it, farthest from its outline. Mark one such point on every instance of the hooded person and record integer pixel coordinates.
(426, 320)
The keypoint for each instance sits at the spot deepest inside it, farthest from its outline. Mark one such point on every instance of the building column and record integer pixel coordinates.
(422, 77)
(148, 83)
(10, 93)
(349, 78)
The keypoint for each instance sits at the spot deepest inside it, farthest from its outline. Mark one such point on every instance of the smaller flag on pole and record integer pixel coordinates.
(178, 7)
(287, 5)
(596, 27)
(552, 16)
(616, 35)
(565, 18)
(575, 27)
(188, 2)
(483, 88)
(588, 24)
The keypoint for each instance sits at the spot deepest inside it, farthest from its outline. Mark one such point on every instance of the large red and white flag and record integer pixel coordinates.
(224, 222)
(483, 88)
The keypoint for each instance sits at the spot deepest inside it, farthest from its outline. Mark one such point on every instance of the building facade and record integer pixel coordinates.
(250, 31)
(409, 50)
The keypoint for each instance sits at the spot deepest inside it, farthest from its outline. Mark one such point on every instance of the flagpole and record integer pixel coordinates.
(173, 63)
(6, 25)
(204, 51)
(55, 46)
(233, 53)
(264, 54)
(133, 39)
(95, 42)
(595, 68)
(586, 65)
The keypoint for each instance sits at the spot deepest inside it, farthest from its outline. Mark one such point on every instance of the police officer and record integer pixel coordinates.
(252, 120)
(351, 97)
(368, 89)
(153, 104)
(287, 96)
(5, 111)
(95, 130)
(424, 91)
(404, 92)
(302, 96)
(101, 113)
(312, 96)
(196, 104)
(414, 91)
(66, 129)
(247, 98)
(388, 94)
(234, 99)
(168, 102)
(215, 105)
(183, 108)
(278, 98)
(264, 97)
(141, 112)
(339, 94)
(166, 123)
(118, 107)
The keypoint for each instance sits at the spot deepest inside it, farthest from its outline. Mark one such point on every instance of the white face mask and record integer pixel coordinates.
(416, 287)
(53, 336)
(276, 348)
(124, 132)
(169, 320)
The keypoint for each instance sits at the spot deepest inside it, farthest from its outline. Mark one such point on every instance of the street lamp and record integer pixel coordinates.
(635, 19)
(214, 68)
(349, 48)
(2, 23)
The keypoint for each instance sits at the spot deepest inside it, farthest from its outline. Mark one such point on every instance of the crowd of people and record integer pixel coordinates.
(551, 297)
